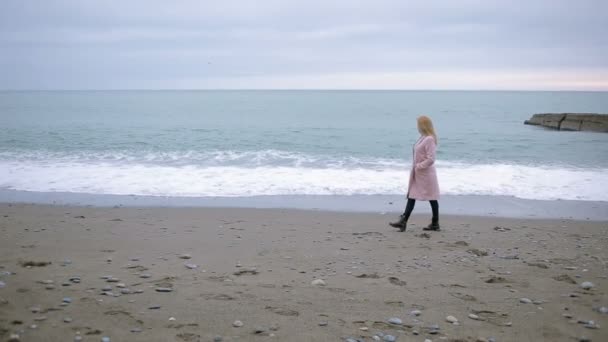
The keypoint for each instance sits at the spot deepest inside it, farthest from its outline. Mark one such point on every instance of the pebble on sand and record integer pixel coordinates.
(185, 256)
(395, 320)
(237, 324)
(105, 339)
(473, 316)
(451, 319)
(587, 285)
(415, 312)
(164, 289)
(318, 282)
(525, 300)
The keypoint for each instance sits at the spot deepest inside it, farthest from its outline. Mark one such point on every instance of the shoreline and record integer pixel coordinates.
(462, 205)
(187, 274)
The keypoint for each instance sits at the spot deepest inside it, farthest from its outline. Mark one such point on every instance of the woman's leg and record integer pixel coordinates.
(409, 207)
(435, 209)
(402, 223)
(435, 222)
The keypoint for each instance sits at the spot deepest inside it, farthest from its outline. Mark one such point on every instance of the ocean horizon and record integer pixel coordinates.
(246, 143)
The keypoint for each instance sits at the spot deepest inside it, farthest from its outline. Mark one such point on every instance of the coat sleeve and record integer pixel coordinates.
(429, 154)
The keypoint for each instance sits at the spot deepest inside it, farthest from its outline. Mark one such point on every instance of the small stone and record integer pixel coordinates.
(40, 318)
(395, 320)
(121, 285)
(14, 338)
(145, 276)
(191, 266)
(323, 324)
(77, 338)
(587, 285)
(2, 284)
(164, 289)
(154, 307)
(50, 287)
(318, 282)
(113, 280)
(364, 328)
(259, 330)
(451, 319)
(602, 309)
(525, 300)
(237, 324)
(415, 312)
(67, 300)
(185, 256)
(217, 339)
(376, 338)
(136, 330)
(75, 280)
(105, 339)
(591, 325)
(67, 320)
(389, 338)
(35, 309)
(33, 326)
(415, 332)
(125, 291)
(473, 316)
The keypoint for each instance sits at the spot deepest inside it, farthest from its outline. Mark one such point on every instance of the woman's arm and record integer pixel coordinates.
(428, 148)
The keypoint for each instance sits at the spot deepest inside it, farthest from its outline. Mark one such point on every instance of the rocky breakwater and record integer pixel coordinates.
(571, 121)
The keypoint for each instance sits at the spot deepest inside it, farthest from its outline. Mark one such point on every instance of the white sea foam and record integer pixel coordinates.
(282, 173)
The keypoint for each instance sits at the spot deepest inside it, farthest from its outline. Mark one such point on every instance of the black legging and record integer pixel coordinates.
(410, 207)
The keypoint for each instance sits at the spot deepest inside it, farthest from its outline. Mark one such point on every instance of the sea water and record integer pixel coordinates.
(256, 143)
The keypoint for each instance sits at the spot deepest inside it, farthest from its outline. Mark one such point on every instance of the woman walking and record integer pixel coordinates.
(423, 185)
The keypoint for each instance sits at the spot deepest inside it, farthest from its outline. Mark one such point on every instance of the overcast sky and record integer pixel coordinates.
(319, 44)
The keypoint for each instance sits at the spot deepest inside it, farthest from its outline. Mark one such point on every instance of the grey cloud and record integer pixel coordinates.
(123, 44)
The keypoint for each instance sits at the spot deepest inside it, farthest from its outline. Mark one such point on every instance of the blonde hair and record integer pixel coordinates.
(425, 126)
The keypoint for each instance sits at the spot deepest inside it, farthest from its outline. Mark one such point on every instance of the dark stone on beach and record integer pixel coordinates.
(164, 289)
(259, 330)
(571, 121)
(154, 307)
(565, 278)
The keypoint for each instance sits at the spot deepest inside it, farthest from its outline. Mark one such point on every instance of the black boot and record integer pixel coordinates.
(433, 226)
(401, 224)
(435, 220)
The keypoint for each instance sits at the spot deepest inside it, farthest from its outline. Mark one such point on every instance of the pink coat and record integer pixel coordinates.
(423, 183)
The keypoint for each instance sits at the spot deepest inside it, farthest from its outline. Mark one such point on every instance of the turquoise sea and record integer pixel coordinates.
(251, 143)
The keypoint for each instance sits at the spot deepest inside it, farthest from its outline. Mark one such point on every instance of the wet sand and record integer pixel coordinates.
(262, 267)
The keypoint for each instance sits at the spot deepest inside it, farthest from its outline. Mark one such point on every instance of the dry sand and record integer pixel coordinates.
(257, 266)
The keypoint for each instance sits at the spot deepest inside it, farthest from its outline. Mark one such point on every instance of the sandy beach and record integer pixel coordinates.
(188, 274)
